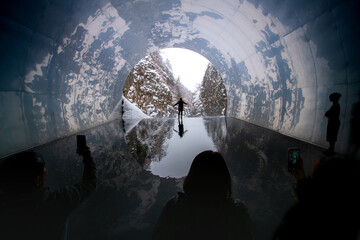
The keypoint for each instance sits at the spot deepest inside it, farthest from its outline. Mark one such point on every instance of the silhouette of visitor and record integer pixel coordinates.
(328, 202)
(181, 107)
(333, 122)
(206, 209)
(28, 210)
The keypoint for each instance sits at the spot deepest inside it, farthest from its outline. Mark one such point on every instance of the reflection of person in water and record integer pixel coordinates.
(206, 209)
(333, 122)
(181, 107)
(181, 131)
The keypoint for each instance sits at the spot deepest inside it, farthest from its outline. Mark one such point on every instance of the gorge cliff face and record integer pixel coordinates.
(210, 99)
(152, 87)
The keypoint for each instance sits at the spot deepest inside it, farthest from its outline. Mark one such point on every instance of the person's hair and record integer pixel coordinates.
(336, 176)
(335, 97)
(18, 172)
(208, 177)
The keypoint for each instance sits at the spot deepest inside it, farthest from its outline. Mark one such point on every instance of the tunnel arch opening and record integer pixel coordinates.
(151, 89)
(161, 78)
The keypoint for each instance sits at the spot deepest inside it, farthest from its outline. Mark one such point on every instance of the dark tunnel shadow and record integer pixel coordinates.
(355, 129)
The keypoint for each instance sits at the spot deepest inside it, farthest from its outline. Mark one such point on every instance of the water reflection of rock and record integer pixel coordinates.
(216, 128)
(128, 199)
(147, 141)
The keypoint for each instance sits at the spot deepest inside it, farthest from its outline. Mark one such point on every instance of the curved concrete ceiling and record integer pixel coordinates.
(64, 63)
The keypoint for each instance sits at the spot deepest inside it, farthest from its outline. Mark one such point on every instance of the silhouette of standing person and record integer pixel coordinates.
(181, 107)
(206, 209)
(333, 122)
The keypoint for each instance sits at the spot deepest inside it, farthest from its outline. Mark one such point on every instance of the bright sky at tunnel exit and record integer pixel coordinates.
(188, 65)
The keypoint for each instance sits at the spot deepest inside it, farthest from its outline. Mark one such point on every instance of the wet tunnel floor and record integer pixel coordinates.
(141, 165)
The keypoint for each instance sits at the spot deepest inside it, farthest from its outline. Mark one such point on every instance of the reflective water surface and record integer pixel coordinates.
(135, 159)
(169, 149)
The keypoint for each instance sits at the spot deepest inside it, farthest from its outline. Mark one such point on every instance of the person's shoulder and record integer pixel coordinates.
(45, 194)
(237, 207)
(237, 203)
(238, 215)
(176, 200)
(3, 200)
(2, 195)
(175, 203)
(49, 194)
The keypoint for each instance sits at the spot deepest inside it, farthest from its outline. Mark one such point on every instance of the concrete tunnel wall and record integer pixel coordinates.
(64, 62)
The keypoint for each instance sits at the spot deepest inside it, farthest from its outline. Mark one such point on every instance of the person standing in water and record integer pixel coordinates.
(181, 107)
(333, 122)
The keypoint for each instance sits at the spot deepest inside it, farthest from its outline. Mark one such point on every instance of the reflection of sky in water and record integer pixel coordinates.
(181, 151)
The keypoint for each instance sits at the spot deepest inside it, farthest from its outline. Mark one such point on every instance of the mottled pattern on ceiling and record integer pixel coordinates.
(64, 63)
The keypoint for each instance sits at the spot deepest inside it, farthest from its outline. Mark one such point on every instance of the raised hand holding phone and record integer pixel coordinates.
(295, 163)
(81, 145)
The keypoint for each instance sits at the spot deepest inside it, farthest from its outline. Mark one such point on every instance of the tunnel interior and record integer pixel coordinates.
(64, 63)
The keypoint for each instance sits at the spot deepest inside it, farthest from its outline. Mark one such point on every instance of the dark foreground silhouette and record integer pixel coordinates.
(328, 204)
(28, 210)
(206, 209)
(355, 129)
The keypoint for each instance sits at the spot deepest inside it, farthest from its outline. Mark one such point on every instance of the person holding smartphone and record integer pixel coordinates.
(328, 201)
(28, 209)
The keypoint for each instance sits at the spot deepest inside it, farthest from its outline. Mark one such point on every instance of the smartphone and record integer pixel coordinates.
(81, 141)
(293, 159)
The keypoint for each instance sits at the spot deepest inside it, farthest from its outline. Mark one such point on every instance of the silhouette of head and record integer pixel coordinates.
(331, 207)
(208, 177)
(22, 173)
(334, 97)
(336, 177)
